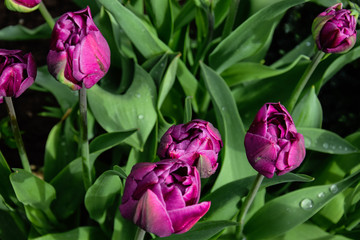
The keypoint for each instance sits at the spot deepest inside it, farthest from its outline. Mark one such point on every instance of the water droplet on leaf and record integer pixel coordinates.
(306, 204)
(140, 116)
(321, 195)
(325, 145)
(333, 188)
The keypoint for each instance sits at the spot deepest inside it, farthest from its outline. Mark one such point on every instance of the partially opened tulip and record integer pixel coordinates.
(334, 30)
(22, 5)
(17, 72)
(162, 197)
(272, 142)
(79, 54)
(197, 142)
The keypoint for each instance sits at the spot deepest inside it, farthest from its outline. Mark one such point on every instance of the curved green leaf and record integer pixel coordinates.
(80, 233)
(290, 210)
(19, 32)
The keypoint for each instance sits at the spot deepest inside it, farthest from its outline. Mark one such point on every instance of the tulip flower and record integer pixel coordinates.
(272, 143)
(334, 30)
(17, 72)
(22, 5)
(197, 142)
(79, 54)
(162, 197)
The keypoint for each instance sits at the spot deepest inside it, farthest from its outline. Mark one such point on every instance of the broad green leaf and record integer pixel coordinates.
(31, 190)
(225, 200)
(290, 210)
(123, 228)
(6, 189)
(101, 195)
(12, 226)
(250, 36)
(19, 32)
(107, 140)
(201, 231)
(308, 112)
(168, 81)
(80, 233)
(158, 69)
(189, 83)
(135, 29)
(134, 109)
(235, 164)
(249, 71)
(185, 16)
(221, 11)
(64, 96)
(322, 140)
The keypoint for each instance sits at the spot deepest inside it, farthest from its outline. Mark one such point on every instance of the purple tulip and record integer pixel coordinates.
(197, 142)
(78, 54)
(162, 197)
(22, 5)
(334, 30)
(17, 72)
(272, 143)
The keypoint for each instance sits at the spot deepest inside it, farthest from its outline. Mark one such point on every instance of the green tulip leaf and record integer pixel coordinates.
(133, 110)
(235, 164)
(80, 233)
(135, 29)
(6, 189)
(225, 200)
(108, 140)
(12, 226)
(308, 112)
(292, 209)
(322, 140)
(250, 37)
(201, 231)
(19, 32)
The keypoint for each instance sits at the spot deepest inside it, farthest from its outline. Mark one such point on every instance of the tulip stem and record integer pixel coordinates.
(84, 143)
(304, 79)
(17, 135)
(46, 15)
(247, 203)
(140, 234)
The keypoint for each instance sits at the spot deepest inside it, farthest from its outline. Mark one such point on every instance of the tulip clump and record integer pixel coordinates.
(23, 6)
(17, 72)
(79, 54)
(334, 30)
(163, 197)
(272, 142)
(197, 142)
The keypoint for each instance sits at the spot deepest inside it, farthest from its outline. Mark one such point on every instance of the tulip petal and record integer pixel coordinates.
(183, 219)
(151, 215)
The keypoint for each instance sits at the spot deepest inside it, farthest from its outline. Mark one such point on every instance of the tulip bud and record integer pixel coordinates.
(162, 197)
(23, 6)
(79, 54)
(334, 30)
(272, 143)
(17, 72)
(198, 143)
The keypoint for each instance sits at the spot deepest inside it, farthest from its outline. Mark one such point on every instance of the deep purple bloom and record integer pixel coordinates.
(197, 142)
(17, 72)
(334, 30)
(272, 143)
(22, 5)
(79, 54)
(162, 197)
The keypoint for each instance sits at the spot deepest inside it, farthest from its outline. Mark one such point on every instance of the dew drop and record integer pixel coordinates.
(138, 95)
(333, 147)
(333, 188)
(223, 109)
(308, 44)
(345, 149)
(321, 195)
(325, 145)
(141, 116)
(307, 142)
(306, 204)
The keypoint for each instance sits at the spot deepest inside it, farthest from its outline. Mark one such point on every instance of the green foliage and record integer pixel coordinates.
(172, 61)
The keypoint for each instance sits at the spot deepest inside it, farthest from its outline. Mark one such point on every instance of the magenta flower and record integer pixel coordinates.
(334, 30)
(22, 5)
(197, 142)
(17, 72)
(79, 54)
(272, 143)
(162, 197)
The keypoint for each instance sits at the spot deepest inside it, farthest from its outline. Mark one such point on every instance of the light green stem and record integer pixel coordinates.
(84, 143)
(17, 134)
(247, 204)
(46, 15)
(140, 234)
(304, 79)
